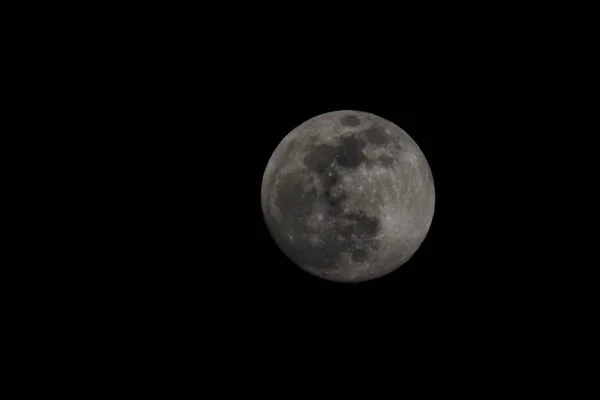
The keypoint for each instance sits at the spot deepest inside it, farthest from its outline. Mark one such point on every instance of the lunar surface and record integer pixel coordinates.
(348, 196)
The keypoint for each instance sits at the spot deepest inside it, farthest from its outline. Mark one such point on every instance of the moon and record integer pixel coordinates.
(348, 196)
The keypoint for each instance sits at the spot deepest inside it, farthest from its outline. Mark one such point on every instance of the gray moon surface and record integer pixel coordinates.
(348, 196)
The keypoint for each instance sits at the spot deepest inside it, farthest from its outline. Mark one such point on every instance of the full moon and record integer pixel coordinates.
(348, 196)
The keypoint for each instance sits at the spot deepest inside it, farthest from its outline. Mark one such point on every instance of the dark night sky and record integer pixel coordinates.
(179, 119)
(202, 130)
(205, 159)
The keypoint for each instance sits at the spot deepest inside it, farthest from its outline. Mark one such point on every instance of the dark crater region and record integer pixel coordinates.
(350, 120)
(348, 227)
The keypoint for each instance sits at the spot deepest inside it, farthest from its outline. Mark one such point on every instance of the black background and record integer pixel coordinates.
(191, 126)
(196, 182)
(178, 119)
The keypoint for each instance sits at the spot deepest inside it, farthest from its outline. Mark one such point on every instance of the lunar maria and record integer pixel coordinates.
(348, 196)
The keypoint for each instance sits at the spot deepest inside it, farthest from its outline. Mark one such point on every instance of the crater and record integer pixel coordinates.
(293, 198)
(345, 229)
(347, 151)
(385, 160)
(350, 120)
(320, 158)
(319, 257)
(361, 226)
(291, 148)
(349, 154)
(376, 135)
(359, 255)
(333, 198)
